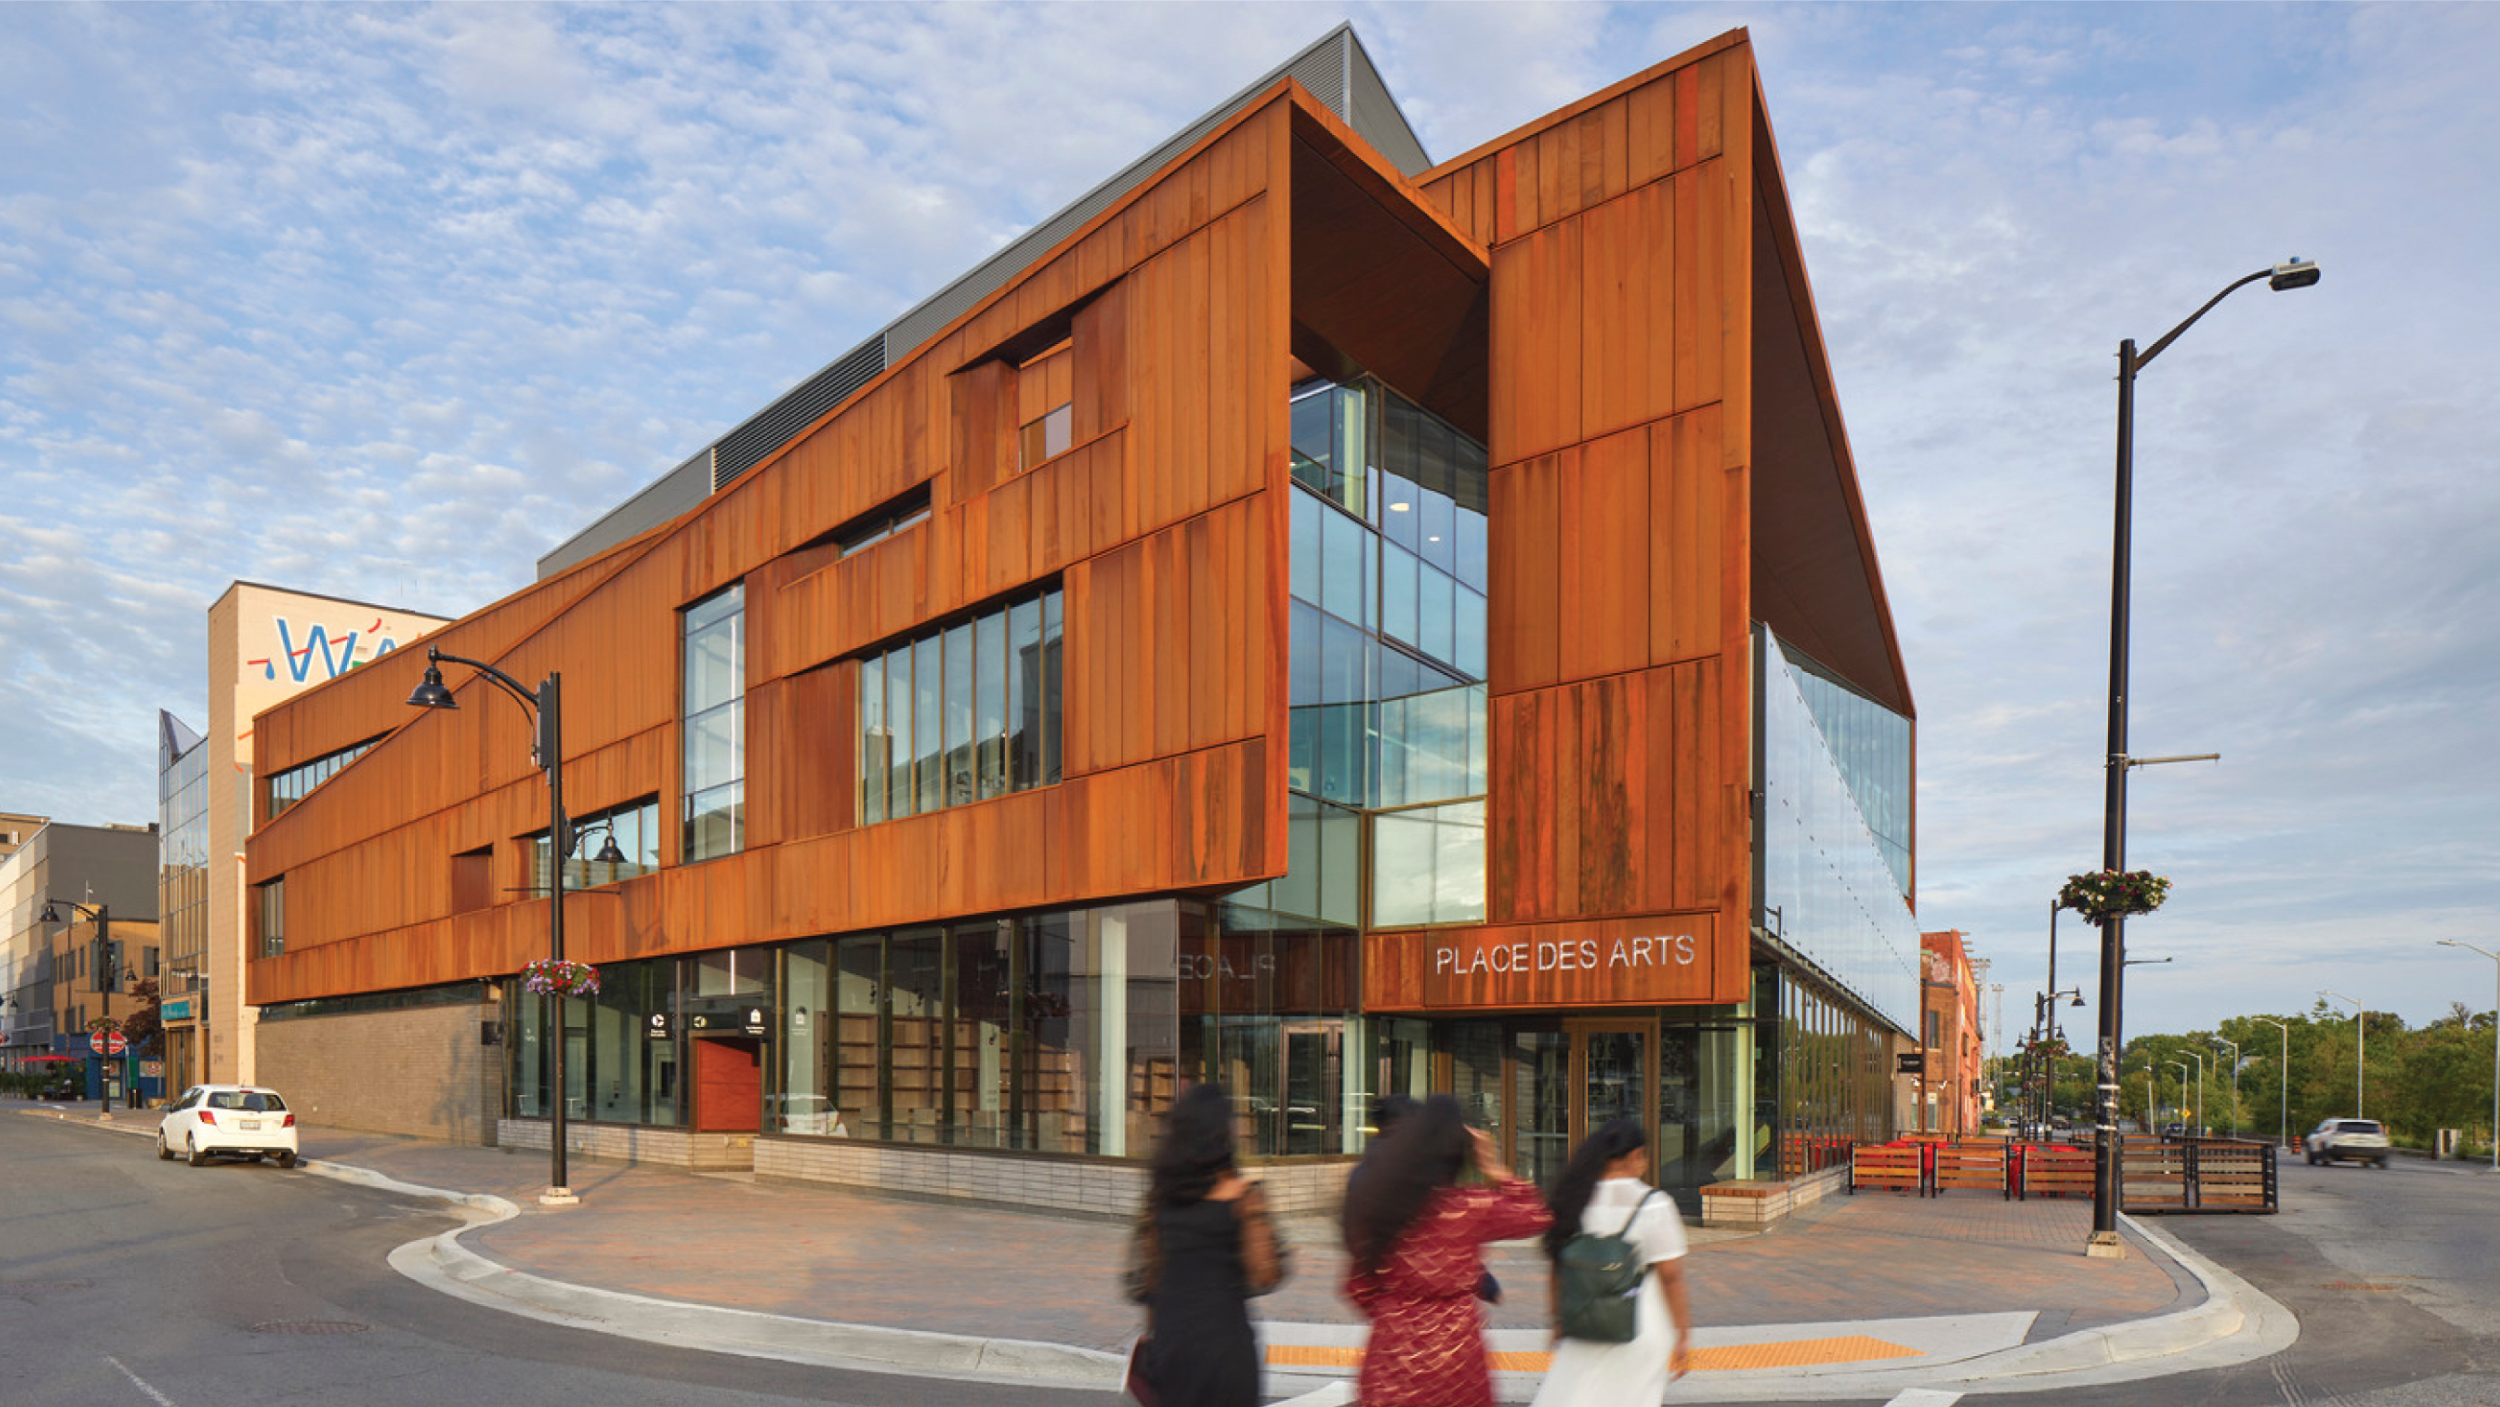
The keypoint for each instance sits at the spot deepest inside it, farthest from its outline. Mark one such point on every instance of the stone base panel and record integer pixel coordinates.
(1071, 1186)
(637, 1143)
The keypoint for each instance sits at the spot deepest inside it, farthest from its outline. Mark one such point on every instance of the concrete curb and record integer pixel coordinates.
(2236, 1323)
(442, 1263)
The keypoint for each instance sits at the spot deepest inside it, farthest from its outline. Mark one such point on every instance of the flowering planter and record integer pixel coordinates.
(2104, 894)
(560, 977)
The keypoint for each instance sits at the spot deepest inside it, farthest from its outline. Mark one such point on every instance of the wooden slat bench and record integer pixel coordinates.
(2052, 1171)
(1977, 1164)
(1894, 1167)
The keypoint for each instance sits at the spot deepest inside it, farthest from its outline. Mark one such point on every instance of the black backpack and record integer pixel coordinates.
(1600, 1278)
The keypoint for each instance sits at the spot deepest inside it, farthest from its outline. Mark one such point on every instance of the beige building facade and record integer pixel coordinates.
(265, 645)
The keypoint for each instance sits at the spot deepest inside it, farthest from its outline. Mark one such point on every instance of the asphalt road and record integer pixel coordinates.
(126, 1282)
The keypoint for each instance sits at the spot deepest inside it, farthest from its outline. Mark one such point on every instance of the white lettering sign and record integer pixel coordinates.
(1568, 955)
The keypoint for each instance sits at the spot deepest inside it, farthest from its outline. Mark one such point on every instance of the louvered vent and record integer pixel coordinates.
(773, 426)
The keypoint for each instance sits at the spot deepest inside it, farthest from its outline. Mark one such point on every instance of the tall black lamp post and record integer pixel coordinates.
(2290, 274)
(106, 966)
(545, 708)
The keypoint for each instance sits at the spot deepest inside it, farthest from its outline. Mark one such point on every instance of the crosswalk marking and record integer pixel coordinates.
(1925, 1397)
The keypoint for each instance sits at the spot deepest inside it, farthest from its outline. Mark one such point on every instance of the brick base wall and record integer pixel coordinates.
(421, 1071)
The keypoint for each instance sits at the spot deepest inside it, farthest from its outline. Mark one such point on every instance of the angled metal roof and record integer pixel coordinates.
(1335, 69)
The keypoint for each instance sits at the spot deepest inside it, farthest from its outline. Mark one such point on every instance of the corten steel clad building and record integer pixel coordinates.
(1303, 618)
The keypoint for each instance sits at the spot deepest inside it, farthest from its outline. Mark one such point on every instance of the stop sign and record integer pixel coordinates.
(108, 1043)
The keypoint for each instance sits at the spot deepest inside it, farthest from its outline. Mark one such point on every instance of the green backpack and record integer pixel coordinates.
(1601, 1284)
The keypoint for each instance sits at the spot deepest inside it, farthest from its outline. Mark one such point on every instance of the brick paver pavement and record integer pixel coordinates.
(824, 1253)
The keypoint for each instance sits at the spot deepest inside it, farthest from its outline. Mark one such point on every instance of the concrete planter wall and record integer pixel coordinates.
(1760, 1202)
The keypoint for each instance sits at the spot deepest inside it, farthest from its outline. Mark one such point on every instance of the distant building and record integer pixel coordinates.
(1952, 1097)
(56, 977)
(14, 828)
(1305, 618)
(265, 644)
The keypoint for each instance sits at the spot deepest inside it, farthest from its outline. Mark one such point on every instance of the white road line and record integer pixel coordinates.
(1925, 1397)
(160, 1399)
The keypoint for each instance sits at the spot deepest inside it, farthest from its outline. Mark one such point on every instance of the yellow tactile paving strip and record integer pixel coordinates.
(1791, 1353)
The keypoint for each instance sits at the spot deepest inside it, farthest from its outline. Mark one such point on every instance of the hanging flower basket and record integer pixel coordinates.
(2103, 894)
(563, 977)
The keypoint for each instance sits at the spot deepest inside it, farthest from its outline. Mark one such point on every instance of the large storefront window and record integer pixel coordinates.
(623, 1061)
(1833, 1088)
(1049, 1032)
(1267, 1005)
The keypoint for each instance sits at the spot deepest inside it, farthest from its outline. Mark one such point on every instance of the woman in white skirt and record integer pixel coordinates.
(1598, 1193)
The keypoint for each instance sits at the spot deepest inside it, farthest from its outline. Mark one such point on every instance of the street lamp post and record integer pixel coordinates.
(2290, 274)
(545, 708)
(2361, 1048)
(2235, 1081)
(2198, 1131)
(2283, 1126)
(2182, 1067)
(2495, 1043)
(101, 915)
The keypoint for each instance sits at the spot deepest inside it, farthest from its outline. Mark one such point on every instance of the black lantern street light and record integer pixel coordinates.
(106, 967)
(545, 708)
(2290, 274)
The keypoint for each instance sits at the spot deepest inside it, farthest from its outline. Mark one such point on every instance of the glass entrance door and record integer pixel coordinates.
(1614, 1070)
(1541, 1104)
(1567, 1082)
(1699, 1099)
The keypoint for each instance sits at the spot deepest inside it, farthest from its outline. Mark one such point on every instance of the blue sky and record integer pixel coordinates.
(384, 302)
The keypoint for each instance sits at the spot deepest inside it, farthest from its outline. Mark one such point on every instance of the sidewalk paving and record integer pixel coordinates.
(1877, 1288)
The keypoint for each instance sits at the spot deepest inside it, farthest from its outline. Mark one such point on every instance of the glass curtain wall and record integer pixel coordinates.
(1389, 572)
(1870, 744)
(1839, 907)
(182, 856)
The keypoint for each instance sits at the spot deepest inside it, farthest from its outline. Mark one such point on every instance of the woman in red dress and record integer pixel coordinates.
(1415, 1235)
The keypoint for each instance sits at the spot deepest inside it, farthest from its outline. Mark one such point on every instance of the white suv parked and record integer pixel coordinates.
(243, 1121)
(2347, 1141)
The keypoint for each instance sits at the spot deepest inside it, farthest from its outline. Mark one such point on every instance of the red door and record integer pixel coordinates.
(728, 1084)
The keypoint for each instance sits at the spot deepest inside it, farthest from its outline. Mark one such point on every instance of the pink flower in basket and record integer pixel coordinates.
(560, 977)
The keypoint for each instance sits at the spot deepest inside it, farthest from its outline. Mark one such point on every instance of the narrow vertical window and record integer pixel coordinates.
(928, 706)
(715, 725)
(989, 703)
(1024, 703)
(901, 798)
(1050, 687)
(273, 918)
(873, 742)
(959, 714)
